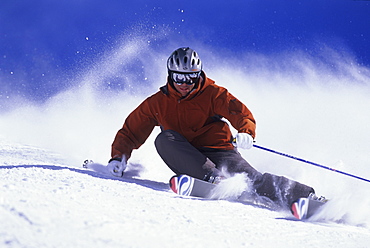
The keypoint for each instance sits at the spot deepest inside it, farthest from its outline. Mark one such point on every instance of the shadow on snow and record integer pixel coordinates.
(128, 177)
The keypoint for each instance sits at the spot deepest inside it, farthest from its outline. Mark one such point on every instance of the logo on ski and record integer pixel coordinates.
(299, 208)
(182, 184)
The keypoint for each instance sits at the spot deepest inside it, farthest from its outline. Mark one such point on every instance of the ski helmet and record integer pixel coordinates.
(184, 60)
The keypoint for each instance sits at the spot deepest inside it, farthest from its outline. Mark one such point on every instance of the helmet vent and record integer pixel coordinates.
(184, 60)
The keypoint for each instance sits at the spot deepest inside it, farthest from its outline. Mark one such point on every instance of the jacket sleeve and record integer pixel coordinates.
(136, 129)
(239, 116)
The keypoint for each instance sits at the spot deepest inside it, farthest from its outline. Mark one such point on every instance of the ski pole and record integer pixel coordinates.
(308, 162)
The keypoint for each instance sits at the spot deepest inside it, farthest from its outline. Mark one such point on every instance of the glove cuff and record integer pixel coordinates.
(115, 159)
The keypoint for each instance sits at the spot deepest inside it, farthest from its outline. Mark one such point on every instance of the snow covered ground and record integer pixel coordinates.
(48, 200)
(47, 203)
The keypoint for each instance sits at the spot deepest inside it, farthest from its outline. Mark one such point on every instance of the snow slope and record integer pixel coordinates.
(313, 109)
(46, 203)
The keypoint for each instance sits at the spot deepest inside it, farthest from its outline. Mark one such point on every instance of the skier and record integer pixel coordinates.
(195, 140)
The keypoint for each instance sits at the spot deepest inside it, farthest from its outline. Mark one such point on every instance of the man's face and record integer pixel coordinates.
(185, 82)
(184, 89)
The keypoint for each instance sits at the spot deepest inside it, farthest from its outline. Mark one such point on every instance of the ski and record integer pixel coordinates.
(305, 208)
(185, 185)
(189, 186)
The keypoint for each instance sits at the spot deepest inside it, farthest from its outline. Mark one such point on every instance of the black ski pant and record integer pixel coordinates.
(183, 158)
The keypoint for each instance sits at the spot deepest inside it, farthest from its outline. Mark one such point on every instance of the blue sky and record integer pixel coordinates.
(42, 41)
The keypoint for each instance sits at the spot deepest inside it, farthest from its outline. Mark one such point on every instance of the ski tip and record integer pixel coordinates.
(173, 184)
(182, 184)
(299, 208)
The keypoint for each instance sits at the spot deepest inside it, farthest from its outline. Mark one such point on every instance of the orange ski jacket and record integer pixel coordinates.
(198, 117)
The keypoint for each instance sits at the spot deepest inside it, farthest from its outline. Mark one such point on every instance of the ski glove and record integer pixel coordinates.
(116, 166)
(244, 141)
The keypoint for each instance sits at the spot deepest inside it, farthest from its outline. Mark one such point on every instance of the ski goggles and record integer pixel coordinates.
(187, 78)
